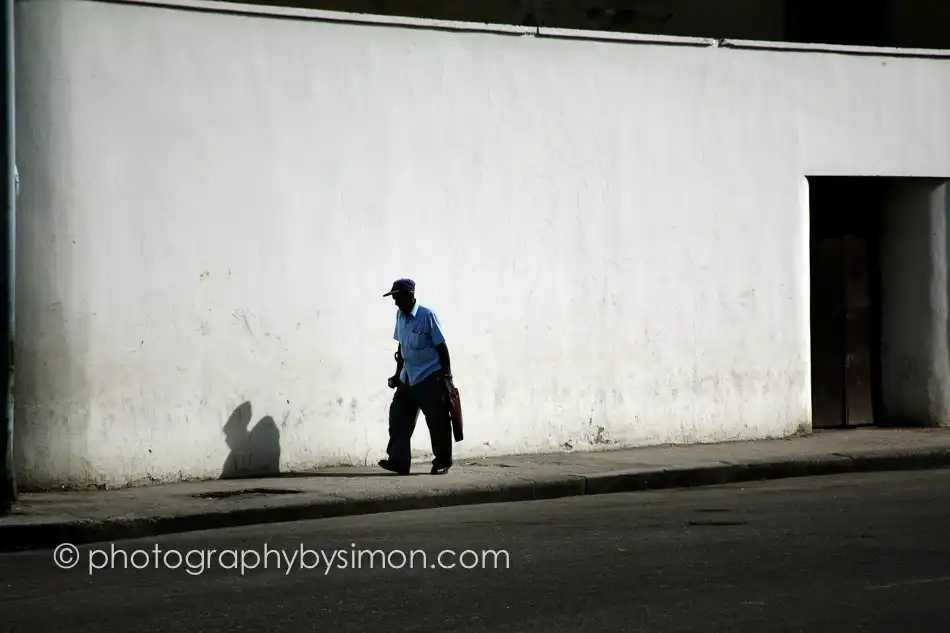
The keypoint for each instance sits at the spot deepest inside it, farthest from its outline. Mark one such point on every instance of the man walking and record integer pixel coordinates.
(422, 369)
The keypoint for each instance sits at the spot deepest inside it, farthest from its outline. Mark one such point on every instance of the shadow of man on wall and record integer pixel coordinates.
(254, 452)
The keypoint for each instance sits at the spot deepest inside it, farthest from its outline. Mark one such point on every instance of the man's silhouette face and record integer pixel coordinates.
(404, 301)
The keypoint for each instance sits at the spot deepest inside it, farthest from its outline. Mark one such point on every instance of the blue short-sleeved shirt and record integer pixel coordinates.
(418, 334)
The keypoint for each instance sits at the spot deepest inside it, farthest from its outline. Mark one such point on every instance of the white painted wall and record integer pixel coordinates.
(613, 234)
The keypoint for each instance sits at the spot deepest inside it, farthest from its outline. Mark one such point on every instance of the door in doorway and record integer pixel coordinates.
(841, 330)
(827, 341)
(859, 407)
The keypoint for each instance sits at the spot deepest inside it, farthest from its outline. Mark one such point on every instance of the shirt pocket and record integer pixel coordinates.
(418, 340)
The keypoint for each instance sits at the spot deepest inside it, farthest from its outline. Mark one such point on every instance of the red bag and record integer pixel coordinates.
(455, 409)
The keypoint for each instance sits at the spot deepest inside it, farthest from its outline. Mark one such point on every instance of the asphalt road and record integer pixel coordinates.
(851, 553)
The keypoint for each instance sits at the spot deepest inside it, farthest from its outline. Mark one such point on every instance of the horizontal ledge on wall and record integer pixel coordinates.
(632, 38)
(369, 19)
(803, 47)
(221, 6)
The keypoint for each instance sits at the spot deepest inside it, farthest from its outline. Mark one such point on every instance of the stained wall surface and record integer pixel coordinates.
(613, 234)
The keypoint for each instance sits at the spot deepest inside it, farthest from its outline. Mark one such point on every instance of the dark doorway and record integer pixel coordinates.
(845, 219)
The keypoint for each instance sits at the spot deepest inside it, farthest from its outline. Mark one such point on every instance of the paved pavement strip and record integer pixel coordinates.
(43, 520)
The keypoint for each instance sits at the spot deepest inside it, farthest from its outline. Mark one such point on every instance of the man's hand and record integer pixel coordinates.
(393, 382)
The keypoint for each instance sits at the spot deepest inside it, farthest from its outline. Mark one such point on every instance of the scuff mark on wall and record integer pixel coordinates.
(597, 435)
(242, 315)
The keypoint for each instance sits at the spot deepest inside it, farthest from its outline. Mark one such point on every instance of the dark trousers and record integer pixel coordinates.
(430, 397)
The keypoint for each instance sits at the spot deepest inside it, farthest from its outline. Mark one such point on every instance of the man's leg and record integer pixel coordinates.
(402, 422)
(435, 406)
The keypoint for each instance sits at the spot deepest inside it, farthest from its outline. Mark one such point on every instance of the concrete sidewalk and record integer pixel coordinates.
(43, 520)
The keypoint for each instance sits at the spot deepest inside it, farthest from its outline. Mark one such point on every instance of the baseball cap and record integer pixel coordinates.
(402, 285)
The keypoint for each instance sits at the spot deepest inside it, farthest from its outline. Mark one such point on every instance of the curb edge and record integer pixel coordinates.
(84, 532)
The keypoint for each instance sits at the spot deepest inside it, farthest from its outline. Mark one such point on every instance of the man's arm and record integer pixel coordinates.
(444, 359)
(438, 337)
(394, 380)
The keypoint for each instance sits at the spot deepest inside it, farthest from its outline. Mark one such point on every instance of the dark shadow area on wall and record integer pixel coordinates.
(888, 23)
(255, 452)
(879, 249)
(845, 225)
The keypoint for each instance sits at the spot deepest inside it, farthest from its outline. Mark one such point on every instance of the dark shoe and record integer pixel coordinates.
(439, 470)
(393, 467)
